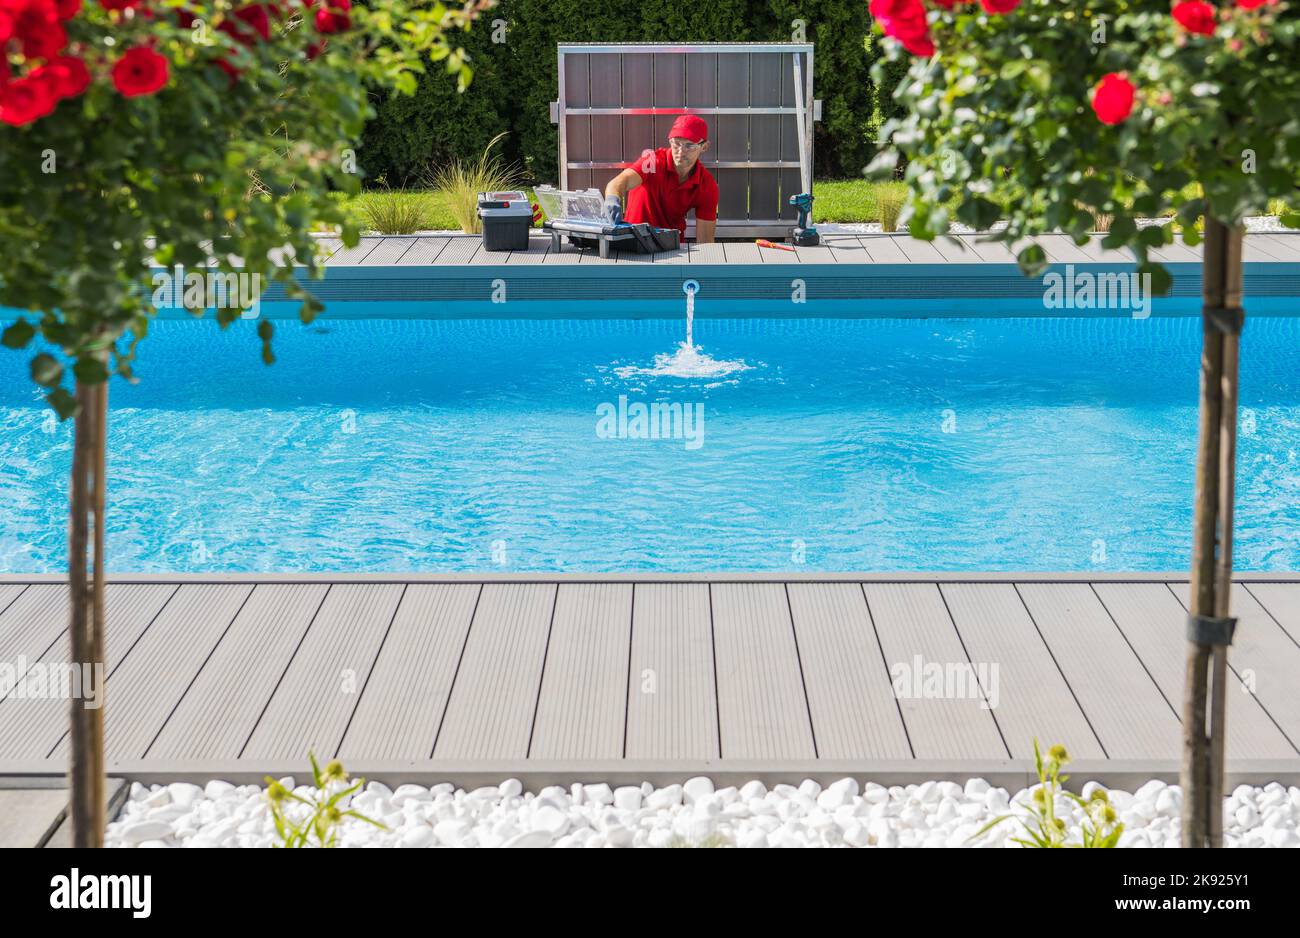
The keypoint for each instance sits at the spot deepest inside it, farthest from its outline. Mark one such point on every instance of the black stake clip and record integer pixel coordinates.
(1207, 630)
(1228, 320)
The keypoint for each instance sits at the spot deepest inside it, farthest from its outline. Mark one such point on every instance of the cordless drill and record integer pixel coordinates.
(803, 234)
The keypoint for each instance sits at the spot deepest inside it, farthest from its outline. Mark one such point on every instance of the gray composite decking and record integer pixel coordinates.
(450, 250)
(424, 677)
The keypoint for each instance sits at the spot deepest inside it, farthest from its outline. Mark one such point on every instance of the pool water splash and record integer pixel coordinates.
(688, 361)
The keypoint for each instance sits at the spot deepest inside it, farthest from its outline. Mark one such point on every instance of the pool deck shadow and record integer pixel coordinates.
(623, 678)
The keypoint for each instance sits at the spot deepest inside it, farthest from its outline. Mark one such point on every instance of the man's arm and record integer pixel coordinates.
(623, 183)
(704, 229)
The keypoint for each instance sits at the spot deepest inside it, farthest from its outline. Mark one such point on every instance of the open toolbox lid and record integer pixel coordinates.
(564, 205)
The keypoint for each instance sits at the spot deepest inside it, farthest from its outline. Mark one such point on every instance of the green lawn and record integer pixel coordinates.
(848, 201)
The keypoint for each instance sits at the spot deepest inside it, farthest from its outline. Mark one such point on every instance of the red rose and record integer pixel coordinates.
(999, 6)
(119, 5)
(6, 31)
(229, 69)
(1113, 98)
(315, 49)
(141, 71)
(1195, 16)
(35, 24)
(903, 20)
(1255, 4)
(68, 8)
(27, 99)
(69, 75)
(255, 16)
(334, 17)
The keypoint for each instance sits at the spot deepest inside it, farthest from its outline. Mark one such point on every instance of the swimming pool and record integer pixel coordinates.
(493, 445)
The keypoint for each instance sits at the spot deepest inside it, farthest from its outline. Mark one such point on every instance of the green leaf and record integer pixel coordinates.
(1032, 260)
(1161, 280)
(18, 335)
(89, 370)
(63, 402)
(47, 371)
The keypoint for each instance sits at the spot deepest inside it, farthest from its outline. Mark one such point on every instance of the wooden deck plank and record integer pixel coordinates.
(29, 728)
(8, 593)
(915, 630)
(1176, 253)
(1285, 247)
(1130, 716)
(1281, 601)
(28, 817)
(1268, 661)
(884, 249)
(854, 712)
(1260, 250)
(815, 254)
(1034, 699)
(746, 252)
(538, 247)
(458, 251)
(405, 699)
(991, 252)
(567, 255)
(681, 256)
(221, 708)
(494, 696)
(33, 621)
(672, 702)
(350, 257)
(843, 249)
(1061, 249)
(1100, 255)
(424, 252)
(152, 678)
(919, 252)
(1153, 621)
(582, 706)
(388, 252)
(711, 253)
(319, 691)
(761, 704)
(955, 251)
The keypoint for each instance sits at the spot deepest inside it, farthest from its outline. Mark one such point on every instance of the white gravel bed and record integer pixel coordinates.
(931, 814)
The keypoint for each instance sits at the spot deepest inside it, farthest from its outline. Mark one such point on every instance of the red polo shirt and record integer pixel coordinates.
(661, 200)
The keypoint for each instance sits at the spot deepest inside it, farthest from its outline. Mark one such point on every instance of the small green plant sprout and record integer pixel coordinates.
(1100, 827)
(319, 826)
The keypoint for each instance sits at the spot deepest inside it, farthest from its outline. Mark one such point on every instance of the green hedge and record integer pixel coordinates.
(515, 81)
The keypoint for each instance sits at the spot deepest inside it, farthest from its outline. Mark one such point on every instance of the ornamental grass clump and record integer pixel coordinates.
(459, 184)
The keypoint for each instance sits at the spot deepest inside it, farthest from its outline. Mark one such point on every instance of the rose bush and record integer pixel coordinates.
(138, 134)
(1115, 115)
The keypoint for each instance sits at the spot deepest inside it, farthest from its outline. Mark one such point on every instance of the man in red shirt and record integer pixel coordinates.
(665, 184)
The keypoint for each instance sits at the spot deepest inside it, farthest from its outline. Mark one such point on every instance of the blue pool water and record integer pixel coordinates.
(844, 445)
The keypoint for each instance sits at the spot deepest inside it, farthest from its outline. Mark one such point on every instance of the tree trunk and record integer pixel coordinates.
(1204, 723)
(86, 758)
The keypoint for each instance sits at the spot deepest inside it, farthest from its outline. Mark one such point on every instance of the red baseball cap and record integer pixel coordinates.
(689, 127)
